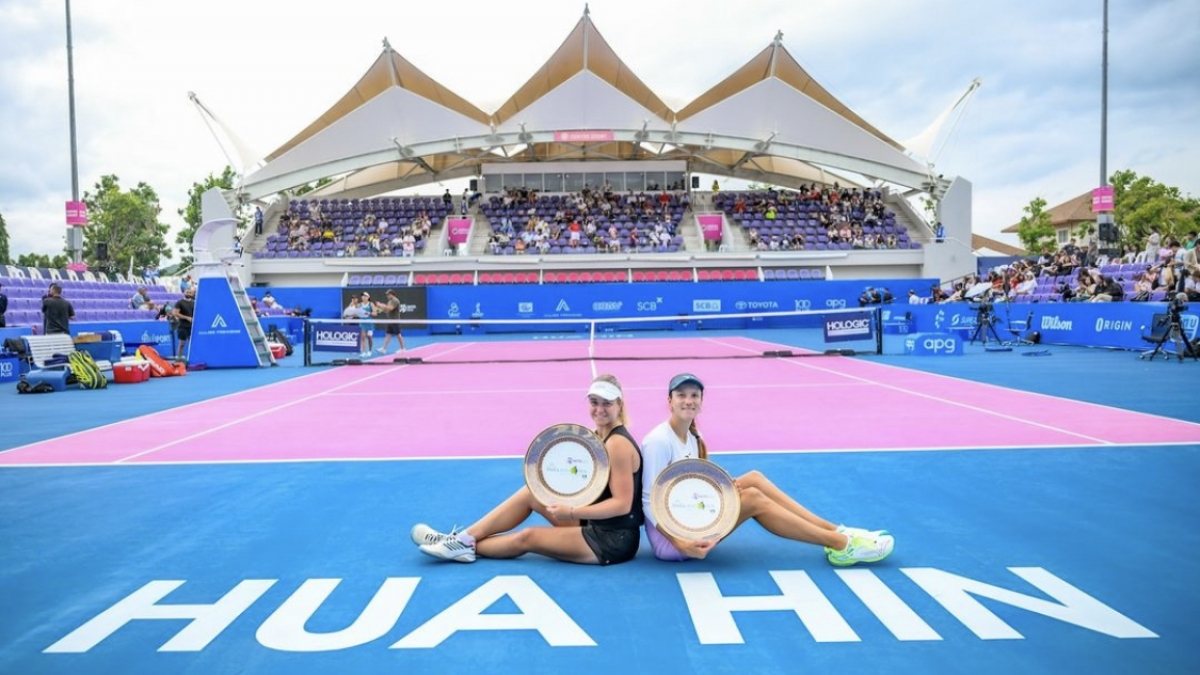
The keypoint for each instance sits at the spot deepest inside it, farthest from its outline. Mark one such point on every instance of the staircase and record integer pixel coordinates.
(253, 327)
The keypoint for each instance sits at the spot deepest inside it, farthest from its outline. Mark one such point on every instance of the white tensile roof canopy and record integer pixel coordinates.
(769, 122)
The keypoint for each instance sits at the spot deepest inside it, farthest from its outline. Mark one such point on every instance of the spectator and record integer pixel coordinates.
(913, 298)
(185, 283)
(3, 306)
(185, 311)
(57, 312)
(258, 221)
(141, 300)
(1108, 290)
(268, 300)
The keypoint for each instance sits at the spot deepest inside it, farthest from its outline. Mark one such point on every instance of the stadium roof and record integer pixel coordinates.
(769, 121)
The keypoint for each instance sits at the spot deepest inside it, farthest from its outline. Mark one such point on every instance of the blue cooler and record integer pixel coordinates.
(102, 351)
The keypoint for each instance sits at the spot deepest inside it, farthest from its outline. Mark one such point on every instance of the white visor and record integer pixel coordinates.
(605, 390)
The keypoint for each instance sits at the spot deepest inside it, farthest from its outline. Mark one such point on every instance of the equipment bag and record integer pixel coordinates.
(86, 371)
(276, 335)
(160, 367)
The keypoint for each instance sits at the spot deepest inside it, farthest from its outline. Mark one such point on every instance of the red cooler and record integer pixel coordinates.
(277, 350)
(131, 372)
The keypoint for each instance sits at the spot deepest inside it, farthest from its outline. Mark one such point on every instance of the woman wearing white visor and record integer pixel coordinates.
(605, 532)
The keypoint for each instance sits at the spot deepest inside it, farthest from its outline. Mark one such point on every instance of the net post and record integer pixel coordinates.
(307, 342)
(879, 330)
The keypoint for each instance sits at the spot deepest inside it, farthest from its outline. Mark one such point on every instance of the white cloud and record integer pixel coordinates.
(269, 68)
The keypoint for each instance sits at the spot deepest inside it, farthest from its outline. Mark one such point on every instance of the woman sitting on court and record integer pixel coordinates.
(677, 438)
(605, 532)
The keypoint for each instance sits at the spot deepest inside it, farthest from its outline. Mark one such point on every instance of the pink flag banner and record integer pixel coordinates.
(458, 229)
(77, 214)
(710, 225)
(1102, 199)
(582, 136)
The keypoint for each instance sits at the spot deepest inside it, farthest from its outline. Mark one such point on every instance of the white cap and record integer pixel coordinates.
(605, 390)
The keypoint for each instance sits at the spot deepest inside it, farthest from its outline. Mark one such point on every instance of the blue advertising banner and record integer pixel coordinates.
(851, 326)
(1094, 324)
(344, 337)
(671, 301)
(933, 344)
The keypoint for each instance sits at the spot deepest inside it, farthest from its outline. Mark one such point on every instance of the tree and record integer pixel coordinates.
(192, 215)
(43, 261)
(126, 222)
(1035, 230)
(1142, 205)
(4, 253)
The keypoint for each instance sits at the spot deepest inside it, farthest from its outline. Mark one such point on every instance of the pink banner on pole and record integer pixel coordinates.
(458, 229)
(77, 214)
(1102, 199)
(77, 266)
(582, 136)
(710, 226)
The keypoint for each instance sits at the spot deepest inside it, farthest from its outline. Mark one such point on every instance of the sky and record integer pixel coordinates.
(268, 68)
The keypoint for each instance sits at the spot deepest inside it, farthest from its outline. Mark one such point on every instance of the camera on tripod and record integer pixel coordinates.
(984, 307)
(1176, 306)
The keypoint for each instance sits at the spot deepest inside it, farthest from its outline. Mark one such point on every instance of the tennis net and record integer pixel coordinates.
(777, 334)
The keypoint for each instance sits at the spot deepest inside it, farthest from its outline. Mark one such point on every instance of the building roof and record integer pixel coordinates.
(980, 243)
(1075, 210)
(396, 127)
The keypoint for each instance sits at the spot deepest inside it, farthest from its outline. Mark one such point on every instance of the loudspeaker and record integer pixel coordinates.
(101, 251)
(695, 182)
(474, 185)
(1108, 232)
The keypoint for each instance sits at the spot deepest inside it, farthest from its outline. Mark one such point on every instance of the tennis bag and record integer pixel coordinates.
(160, 367)
(276, 335)
(86, 371)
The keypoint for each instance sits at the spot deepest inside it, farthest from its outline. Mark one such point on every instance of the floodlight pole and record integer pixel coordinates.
(76, 252)
(1104, 104)
(1104, 219)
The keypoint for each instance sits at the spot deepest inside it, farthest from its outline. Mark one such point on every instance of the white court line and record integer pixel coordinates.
(939, 399)
(265, 411)
(723, 453)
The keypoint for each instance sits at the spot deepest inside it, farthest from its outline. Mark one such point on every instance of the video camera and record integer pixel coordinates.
(1176, 306)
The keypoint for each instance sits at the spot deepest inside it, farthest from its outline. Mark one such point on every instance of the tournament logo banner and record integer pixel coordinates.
(848, 326)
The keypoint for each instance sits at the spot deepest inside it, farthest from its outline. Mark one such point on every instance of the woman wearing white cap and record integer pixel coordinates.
(605, 532)
(677, 438)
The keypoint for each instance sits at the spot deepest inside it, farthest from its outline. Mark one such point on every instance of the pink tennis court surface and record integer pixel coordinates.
(482, 409)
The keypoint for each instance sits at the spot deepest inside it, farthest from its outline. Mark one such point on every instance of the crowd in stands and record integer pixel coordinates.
(591, 221)
(1085, 274)
(356, 228)
(814, 218)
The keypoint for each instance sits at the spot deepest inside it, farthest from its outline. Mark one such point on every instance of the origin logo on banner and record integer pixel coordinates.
(77, 214)
(710, 225)
(458, 229)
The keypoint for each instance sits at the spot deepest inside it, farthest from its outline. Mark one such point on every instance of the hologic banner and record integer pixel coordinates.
(848, 326)
(710, 225)
(337, 337)
(458, 229)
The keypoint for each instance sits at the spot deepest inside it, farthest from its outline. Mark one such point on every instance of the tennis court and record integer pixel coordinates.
(257, 521)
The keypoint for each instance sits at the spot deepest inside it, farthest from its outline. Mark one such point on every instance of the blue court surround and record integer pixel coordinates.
(1116, 523)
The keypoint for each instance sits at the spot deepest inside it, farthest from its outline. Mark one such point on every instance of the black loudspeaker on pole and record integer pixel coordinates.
(101, 251)
(695, 182)
(474, 185)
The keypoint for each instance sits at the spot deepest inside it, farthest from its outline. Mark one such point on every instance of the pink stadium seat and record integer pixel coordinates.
(727, 275)
(442, 279)
(639, 275)
(662, 275)
(622, 277)
(703, 275)
(485, 277)
(550, 277)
